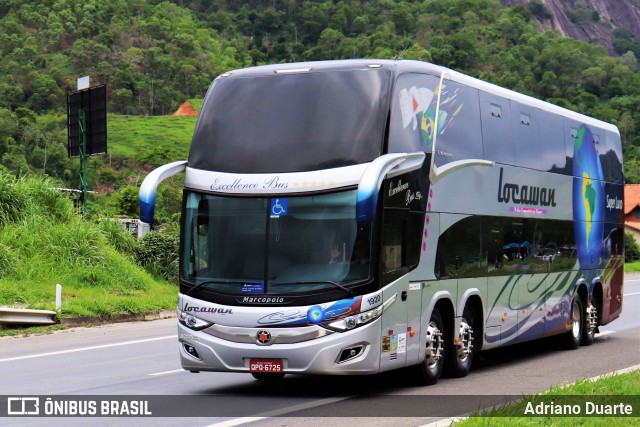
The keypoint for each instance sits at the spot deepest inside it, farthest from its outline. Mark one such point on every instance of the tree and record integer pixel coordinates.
(126, 201)
(631, 248)
(14, 160)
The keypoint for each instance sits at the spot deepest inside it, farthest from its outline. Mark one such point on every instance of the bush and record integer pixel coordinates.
(31, 198)
(631, 248)
(158, 254)
(121, 239)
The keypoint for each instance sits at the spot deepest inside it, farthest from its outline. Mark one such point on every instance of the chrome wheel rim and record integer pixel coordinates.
(433, 352)
(576, 320)
(466, 336)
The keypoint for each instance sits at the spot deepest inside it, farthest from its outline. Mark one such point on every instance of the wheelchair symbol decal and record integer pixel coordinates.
(279, 207)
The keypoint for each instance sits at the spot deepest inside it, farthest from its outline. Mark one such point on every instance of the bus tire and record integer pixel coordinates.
(573, 336)
(590, 314)
(429, 370)
(460, 351)
(267, 378)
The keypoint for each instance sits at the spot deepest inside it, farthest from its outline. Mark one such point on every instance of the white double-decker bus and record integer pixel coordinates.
(359, 216)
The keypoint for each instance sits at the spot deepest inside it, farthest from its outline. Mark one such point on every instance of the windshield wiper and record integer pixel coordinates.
(208, 282)
(329, 282)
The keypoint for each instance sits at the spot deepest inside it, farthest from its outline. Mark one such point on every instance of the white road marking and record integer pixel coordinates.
(619, 371)
(632, 293)
(277, 412)
(75, 350)
(603, 333)
(175, 371)
(236, 422)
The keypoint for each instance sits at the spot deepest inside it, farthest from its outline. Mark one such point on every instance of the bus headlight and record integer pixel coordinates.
(192, 322)
(351, 322)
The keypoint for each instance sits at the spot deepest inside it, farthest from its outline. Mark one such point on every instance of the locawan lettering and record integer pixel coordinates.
(207, 309)
(525, 194)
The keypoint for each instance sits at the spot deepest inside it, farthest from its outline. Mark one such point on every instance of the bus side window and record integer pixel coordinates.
(526, 136)
(392, 236)
(556, 249)
(459, 117)
(400, 242)
(552, 155)
(201, 237)
(497, 136)
(459, 250)
(610, 153)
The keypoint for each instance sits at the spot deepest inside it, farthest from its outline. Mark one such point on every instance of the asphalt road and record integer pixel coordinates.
(141, 359)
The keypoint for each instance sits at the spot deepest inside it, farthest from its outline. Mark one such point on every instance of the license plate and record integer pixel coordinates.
(265, 365)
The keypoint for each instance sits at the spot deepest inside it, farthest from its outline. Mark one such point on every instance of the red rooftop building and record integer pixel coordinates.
(632, 210)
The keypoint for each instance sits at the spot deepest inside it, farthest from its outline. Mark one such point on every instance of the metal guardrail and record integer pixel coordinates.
(20, 316)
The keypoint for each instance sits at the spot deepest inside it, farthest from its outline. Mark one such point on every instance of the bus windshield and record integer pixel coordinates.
(292, 122)
(283, 245)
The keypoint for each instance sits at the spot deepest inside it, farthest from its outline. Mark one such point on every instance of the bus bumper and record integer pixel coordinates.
(317, 356)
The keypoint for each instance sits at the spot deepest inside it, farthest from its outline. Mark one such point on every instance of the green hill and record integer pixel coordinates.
(150, 139)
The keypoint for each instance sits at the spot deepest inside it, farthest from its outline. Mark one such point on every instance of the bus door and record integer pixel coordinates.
(401, 239)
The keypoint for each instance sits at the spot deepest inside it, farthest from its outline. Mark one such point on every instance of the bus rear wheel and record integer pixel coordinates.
(261, 376)
(460, 352)
(573, 336)
(428, 372)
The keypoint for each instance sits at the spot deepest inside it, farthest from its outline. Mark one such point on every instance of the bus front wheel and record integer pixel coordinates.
(428, 372)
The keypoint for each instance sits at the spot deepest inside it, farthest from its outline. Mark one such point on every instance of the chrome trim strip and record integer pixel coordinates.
(278, 335)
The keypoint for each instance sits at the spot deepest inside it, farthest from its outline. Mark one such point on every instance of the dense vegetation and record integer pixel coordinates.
(153, 55)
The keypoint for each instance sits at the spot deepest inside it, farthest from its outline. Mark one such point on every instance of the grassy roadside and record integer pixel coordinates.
(632, 267)
(44, 242)
(610, 389)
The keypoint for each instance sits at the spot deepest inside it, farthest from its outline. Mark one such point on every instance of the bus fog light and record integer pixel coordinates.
(350, 353)
(191, 351)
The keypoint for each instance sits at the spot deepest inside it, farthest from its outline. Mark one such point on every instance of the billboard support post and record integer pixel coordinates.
(83, 157)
